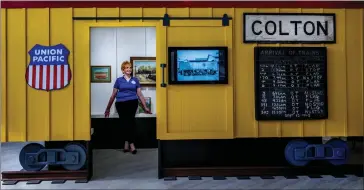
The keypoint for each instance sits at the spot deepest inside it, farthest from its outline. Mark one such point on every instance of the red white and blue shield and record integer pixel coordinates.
(48, 68)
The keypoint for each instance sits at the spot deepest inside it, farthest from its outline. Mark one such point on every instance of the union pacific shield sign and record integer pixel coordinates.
(48, 68)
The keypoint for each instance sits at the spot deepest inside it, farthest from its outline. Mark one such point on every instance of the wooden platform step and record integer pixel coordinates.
(36, 177)
(266, 172)
(191, 178)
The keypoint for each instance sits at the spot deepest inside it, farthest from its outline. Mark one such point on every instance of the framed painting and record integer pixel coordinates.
(100, 74)
(144, 69)
(148, 102)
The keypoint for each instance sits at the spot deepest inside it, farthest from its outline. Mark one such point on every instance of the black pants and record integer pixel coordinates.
(126, 111)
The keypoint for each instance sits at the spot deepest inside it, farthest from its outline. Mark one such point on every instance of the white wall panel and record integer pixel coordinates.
(112, 46)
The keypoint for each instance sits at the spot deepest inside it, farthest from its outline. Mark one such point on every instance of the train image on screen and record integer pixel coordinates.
(198, 65)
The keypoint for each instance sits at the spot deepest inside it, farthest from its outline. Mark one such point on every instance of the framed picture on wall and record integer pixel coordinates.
(148, 102)
(144, 69)
(100, 74)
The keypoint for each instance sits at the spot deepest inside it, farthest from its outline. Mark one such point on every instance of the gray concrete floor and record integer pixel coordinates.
(115, 170)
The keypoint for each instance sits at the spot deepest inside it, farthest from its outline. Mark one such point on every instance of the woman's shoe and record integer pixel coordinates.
(126, 150)
(133, 147)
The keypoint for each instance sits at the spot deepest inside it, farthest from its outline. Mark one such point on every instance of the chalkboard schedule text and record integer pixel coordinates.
(291, 83)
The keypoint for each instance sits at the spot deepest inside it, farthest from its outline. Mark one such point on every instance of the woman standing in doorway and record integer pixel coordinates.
(127, 92)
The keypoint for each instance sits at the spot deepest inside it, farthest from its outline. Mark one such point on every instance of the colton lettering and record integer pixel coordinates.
(271, 27)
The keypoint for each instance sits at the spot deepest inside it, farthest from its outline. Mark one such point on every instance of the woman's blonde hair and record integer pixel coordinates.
(124, 64)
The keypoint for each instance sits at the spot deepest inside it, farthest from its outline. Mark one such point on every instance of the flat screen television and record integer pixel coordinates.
(198, 65)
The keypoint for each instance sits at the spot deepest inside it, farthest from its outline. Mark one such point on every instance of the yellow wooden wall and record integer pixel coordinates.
(345, 82)
(31, 115)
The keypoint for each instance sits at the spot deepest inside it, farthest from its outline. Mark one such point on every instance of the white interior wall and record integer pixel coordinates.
(112, 46)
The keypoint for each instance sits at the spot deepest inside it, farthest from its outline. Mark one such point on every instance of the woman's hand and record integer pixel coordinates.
(111, 101)
(147, 110)
(107, 113)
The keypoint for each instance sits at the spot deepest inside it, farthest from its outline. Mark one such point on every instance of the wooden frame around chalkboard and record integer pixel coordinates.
(257, 85)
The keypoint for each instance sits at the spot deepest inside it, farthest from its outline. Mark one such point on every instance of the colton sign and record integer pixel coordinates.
(288, 28)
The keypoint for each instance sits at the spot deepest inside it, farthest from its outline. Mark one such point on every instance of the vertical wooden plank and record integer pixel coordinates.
(314, 128)
(269, 128)
(37, 100)
(161, 57)
(170, 95)
(230, 113)
(336, 123)
(291, 128)
(219, 12)
(246, 125)
(82, 101)
(3, 72)
(16, 69)
(161, 93)
(61, 31)
(354, 54)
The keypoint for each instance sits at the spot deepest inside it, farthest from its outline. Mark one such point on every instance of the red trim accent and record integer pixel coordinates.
(34, 75)
(176, 4)
(41, 77)
(62, 76)
(55, 77)
(48, 77)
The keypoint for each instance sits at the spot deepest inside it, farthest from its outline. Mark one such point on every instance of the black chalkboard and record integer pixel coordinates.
(290, 83)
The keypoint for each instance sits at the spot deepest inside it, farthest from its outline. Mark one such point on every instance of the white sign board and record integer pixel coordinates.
(288, 28)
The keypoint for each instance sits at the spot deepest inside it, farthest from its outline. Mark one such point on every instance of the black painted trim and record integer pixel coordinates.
(160, 161)
(241, 157)
(289, 42)
(149, 18)
(166, 19)
(90, 162)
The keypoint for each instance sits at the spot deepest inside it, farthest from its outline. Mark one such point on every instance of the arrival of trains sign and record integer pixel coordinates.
(48, 68)
(288, 28)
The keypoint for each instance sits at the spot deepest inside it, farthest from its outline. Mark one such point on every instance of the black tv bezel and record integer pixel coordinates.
(170, 67)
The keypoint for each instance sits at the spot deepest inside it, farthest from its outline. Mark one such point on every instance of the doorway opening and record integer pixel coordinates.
(109, 48)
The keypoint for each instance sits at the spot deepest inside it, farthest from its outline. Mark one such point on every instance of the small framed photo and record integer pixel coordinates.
(148, 102)
(144, 69)
(100, 74)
